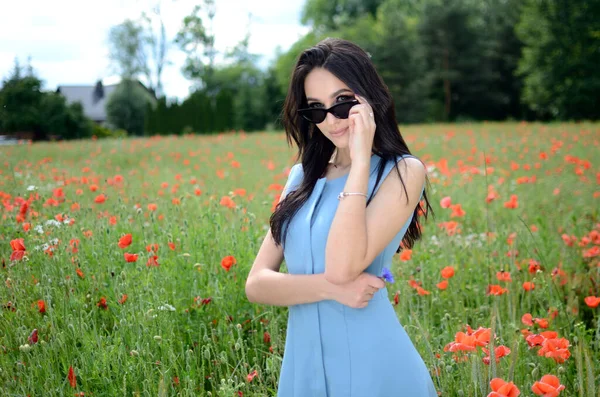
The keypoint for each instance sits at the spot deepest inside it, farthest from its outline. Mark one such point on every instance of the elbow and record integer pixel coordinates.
(338, 277)
(250, 290)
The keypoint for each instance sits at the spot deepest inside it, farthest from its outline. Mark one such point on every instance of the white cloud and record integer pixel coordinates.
(67, 39)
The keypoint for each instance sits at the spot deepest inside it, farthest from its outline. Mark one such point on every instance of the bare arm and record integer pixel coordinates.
(359, 233)
(266, 285)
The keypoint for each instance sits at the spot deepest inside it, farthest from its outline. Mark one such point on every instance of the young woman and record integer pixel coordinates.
(341, 217)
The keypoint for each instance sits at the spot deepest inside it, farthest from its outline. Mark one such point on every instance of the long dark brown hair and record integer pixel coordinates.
(352, 65)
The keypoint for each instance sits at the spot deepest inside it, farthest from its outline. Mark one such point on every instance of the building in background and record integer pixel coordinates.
(92, 97)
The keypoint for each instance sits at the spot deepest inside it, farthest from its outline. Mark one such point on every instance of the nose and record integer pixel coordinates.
(330, 119)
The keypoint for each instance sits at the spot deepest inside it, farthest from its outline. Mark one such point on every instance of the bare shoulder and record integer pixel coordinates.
(415, 168)
(413, 173)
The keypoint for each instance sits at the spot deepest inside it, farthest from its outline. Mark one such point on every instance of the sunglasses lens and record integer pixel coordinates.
(314, 115)
(342, 110)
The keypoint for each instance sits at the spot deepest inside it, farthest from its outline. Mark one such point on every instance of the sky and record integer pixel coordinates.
(67, 40)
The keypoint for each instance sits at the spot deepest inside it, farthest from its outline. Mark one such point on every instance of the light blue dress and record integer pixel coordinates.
(333, 350)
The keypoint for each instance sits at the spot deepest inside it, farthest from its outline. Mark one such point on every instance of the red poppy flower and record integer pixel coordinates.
(125, 241)
(100, 199)
(495, 289)
(556, 348)
(446, 202)
(227, 262)
(17, 244)
(102, 303)
(405, 255)
(503, 276)
(226, 201)
(442, 285)
(18, 249)
(548, 386)
(72, 379)
(499, 352)
(457, 211)
(512, 203)
(448, 272)
(33, 337)
(501, 388)
(592, 301)
(251, 375)
(528, 286)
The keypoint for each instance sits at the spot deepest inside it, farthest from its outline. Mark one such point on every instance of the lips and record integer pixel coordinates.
(339, 132)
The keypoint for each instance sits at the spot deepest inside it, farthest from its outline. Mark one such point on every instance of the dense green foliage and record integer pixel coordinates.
(25, 107)
(443, 60)
(126, 107)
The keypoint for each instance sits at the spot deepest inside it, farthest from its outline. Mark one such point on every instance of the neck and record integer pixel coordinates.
(341, 158)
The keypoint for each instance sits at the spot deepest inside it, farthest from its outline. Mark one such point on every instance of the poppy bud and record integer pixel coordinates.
(535, 373)
(25, 348)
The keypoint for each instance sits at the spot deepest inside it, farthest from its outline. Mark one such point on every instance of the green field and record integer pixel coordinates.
(175, 321)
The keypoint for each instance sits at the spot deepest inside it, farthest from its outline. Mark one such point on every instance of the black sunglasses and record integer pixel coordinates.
(340, 110)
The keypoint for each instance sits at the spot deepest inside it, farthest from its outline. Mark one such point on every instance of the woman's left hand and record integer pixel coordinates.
(361, 130)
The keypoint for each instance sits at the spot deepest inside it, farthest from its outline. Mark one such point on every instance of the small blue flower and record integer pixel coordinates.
(387, 275)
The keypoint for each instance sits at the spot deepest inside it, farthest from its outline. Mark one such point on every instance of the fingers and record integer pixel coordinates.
(363, 108)
(376, 282)
(363, 101)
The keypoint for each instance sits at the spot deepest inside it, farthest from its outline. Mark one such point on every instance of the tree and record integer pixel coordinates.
(198, 43)
(245, 83)
(20, 101)
(330, 15)
(127, 49)
(59, 118)
(400, 59)
(560, 58)
(126, 107)
(154, 39)
(453, 55)
(25, 107)
(500, 50)
(139, 48)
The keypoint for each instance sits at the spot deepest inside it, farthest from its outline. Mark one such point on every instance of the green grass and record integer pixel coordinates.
(142, 347)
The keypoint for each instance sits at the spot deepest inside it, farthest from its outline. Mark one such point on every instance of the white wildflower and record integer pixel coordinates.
(166, 307)
(53, 222)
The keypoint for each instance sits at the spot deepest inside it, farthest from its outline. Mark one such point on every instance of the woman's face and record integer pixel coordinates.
(323, 89)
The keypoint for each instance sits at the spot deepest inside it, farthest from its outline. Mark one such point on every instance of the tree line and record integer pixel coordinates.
(443, 60)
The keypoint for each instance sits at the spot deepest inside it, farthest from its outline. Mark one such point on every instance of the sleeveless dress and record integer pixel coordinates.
(333, 350)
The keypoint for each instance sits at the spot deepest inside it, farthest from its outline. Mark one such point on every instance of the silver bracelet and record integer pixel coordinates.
(344, 194)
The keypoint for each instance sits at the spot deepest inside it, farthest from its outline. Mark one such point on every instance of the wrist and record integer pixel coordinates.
(329, 290)
(361, 163)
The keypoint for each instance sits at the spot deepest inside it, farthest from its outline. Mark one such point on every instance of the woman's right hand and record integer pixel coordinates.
(358, 293)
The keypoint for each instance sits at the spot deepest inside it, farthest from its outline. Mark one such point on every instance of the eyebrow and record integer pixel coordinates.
(332, 95)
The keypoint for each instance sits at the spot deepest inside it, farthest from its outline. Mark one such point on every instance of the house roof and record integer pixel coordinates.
(93, 105)
(93, 101)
